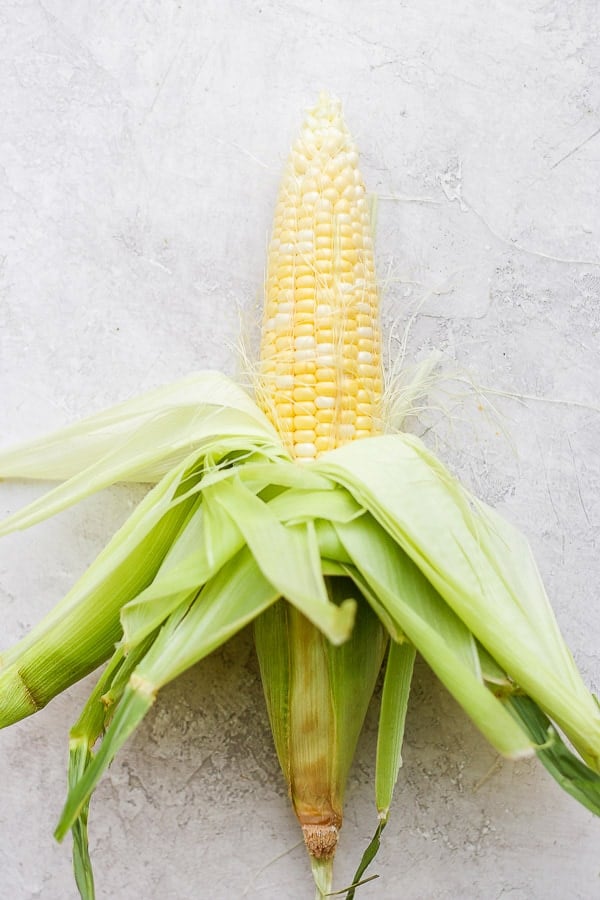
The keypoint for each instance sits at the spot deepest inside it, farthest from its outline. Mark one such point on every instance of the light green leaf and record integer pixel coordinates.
(289, 557)
(142, 438)
(392, 719)
(232, 599)
(433, 628)
(479, 571)
(295, 506)
(79, 633)
(140, 441)
(209, 538)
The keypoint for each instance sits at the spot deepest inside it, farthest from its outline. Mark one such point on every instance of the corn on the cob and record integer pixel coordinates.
(320, 367)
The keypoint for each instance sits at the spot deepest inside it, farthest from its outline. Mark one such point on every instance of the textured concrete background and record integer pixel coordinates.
(140, 150)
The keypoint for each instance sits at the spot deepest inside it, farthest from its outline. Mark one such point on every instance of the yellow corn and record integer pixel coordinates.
(321, 374)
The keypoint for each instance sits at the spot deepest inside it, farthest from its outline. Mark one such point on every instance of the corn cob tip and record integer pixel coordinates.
(321, 840)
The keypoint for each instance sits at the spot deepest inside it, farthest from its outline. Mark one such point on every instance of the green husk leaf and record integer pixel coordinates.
(478, 568)
(366, 860)
(144, 437)
(80, 632)
(129, 713)
(83, 735)
(433, 628)
(566, 769)
(295, 506)
(289, 557)
(392, 719)
(317, 696)
(228, 602)
(208, 540)
(271, 640)
(353, 670)
(79, 758)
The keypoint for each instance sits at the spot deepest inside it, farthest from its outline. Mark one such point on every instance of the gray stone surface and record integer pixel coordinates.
(140, 150)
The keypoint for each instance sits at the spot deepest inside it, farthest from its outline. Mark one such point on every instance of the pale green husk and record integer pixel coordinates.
(232, 526)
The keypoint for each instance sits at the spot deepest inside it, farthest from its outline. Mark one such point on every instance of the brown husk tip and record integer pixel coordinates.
(321, 840)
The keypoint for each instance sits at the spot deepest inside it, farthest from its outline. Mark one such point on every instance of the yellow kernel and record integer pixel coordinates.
(305, 304)
(305, 368)
(367, 370)
(328, 389)
(325, 416)
(302, 394)
(282, 342)
(325, 374)
(305, 423)
(307, 379)
(325, 335)
(323, 443)
(301, 329)
(306, 297)
(304, 436)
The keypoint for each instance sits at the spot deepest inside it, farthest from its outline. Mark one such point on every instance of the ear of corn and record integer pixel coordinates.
(321, 384)
(373, 538)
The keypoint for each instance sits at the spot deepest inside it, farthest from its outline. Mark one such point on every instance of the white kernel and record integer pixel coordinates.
(305, 451)
(325, 349)
(364, 332)
(304, 342)
(365, 357)
(304, 355)
(325, 402)
(283, 382)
